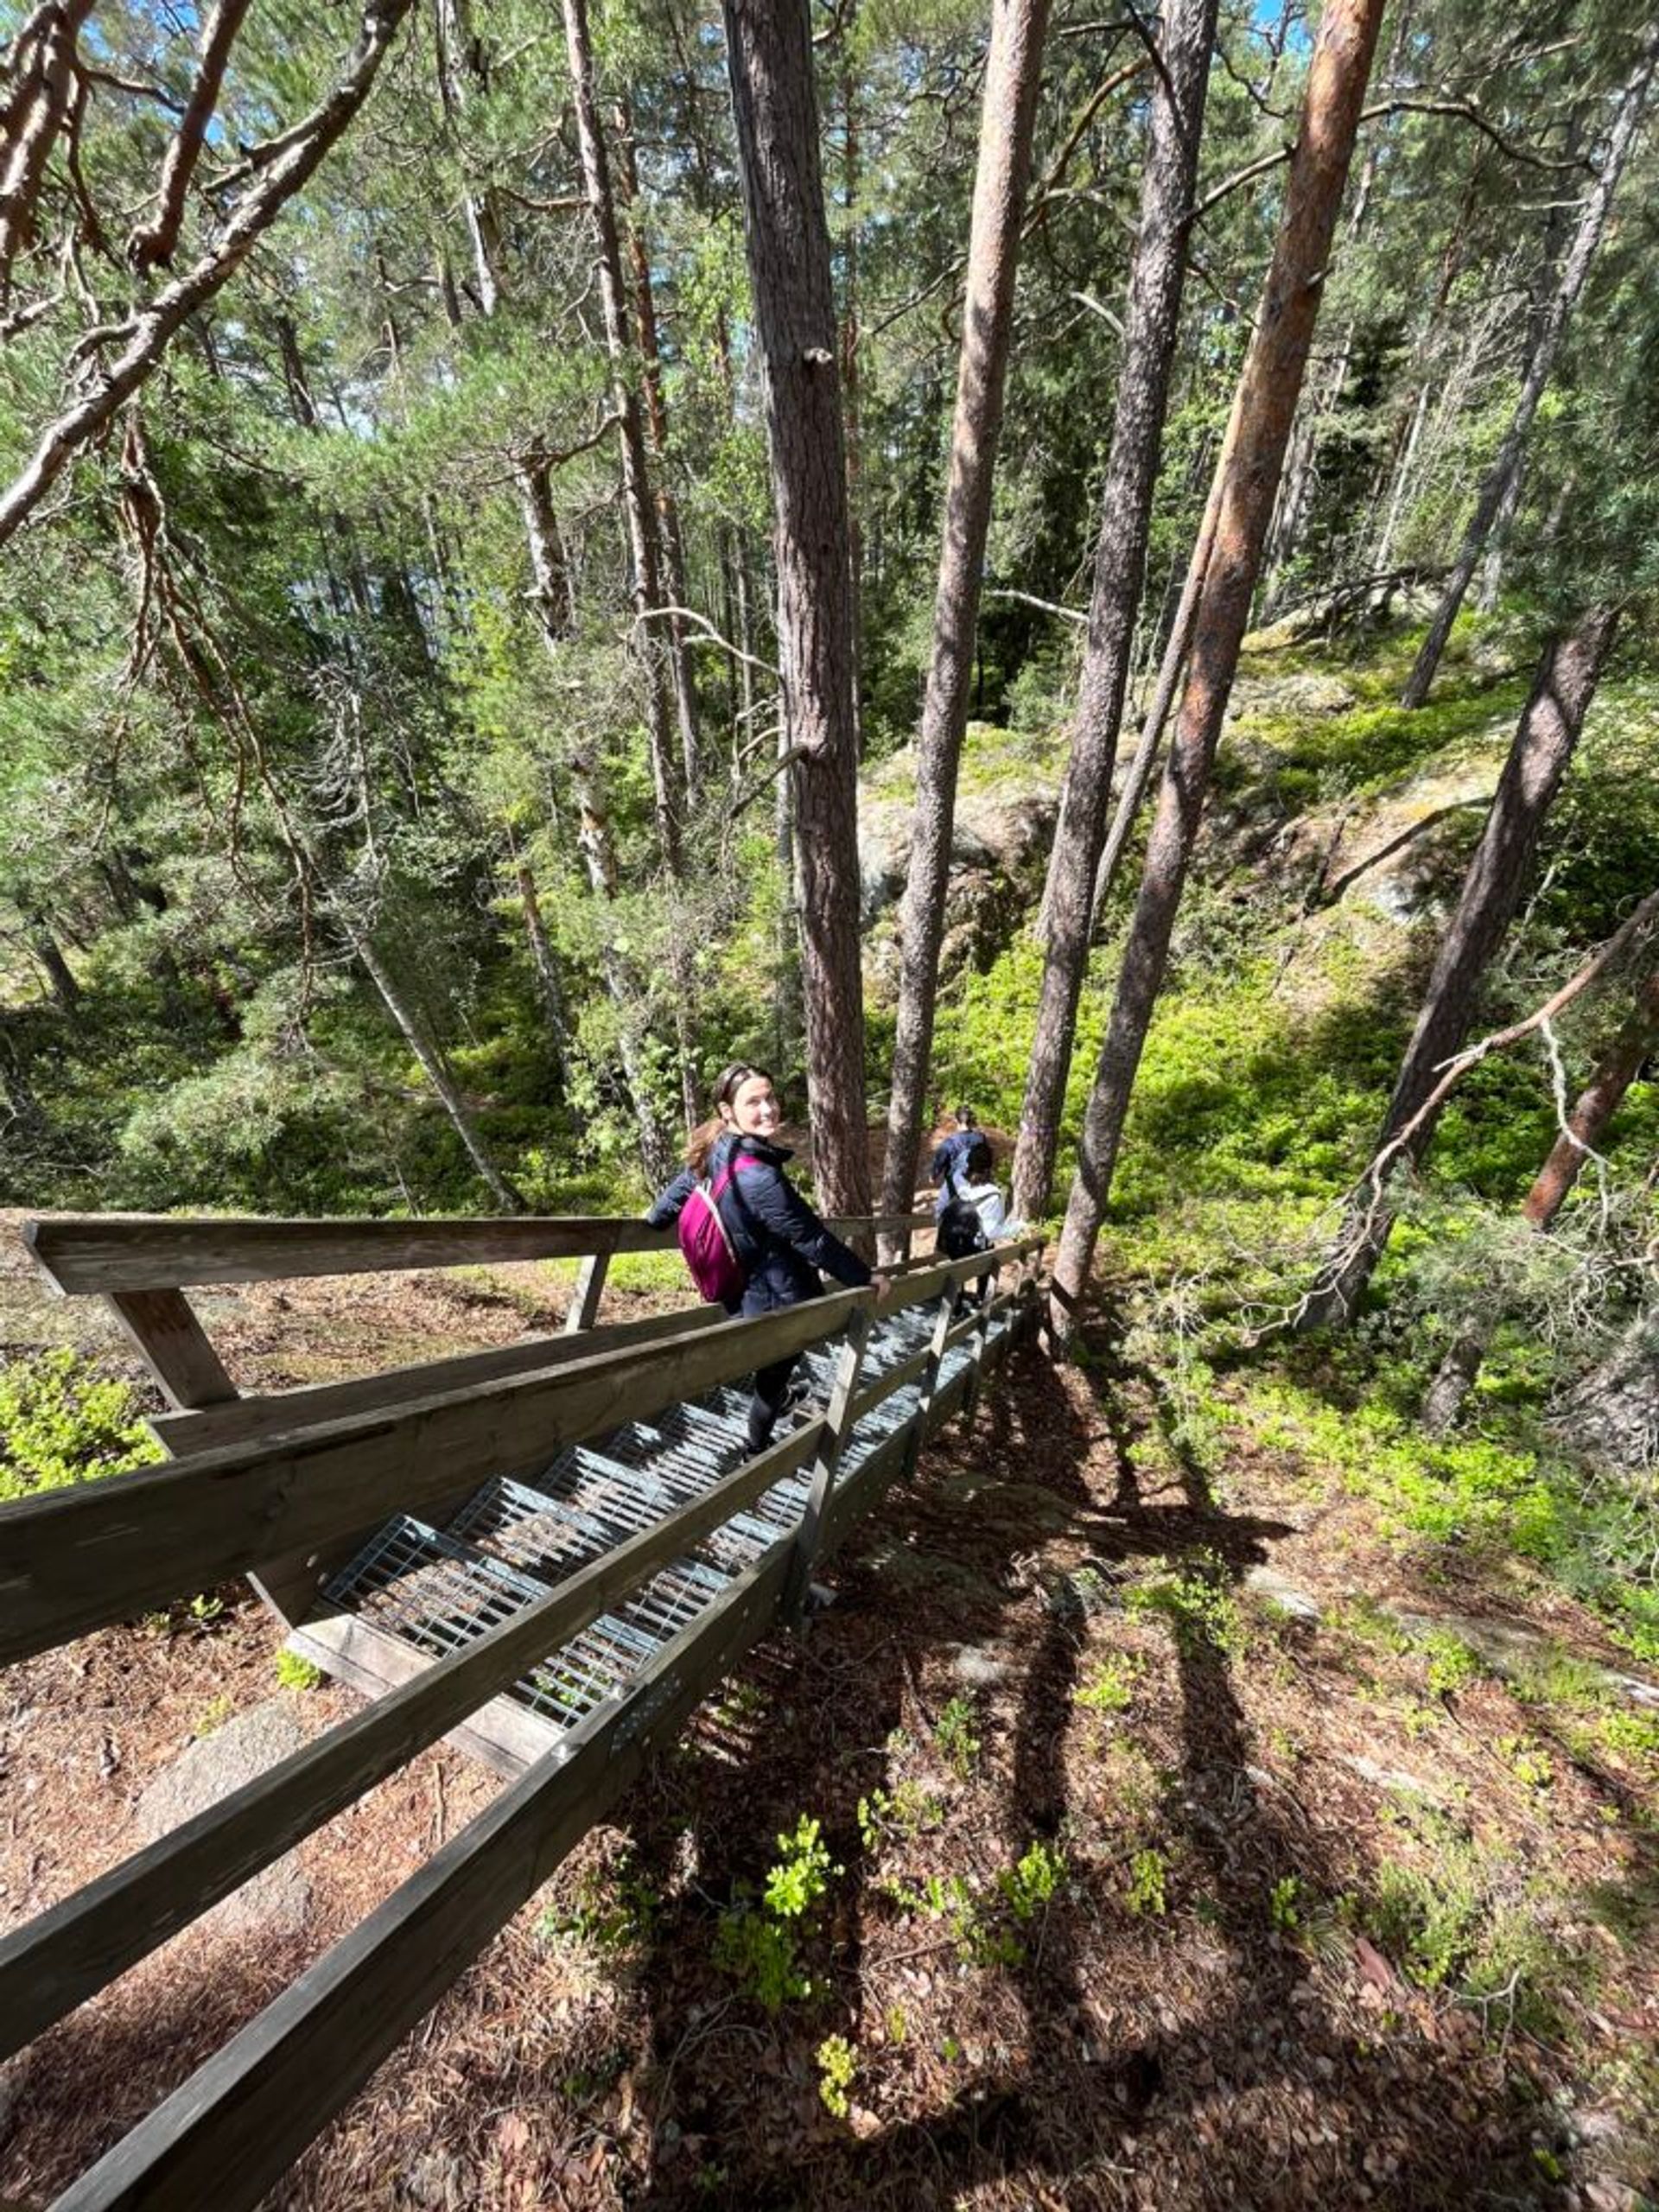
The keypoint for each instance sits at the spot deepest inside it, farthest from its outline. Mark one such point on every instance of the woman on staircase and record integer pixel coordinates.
(779, 1242)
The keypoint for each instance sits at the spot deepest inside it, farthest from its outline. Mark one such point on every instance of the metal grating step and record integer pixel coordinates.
(512, 1540)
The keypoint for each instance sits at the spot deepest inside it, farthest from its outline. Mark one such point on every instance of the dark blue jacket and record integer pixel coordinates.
(948, 1164)
(779, 1240)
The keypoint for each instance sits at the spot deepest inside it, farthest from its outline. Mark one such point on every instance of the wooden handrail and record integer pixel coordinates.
(67, 1954)
(230, 2131)
(240, 1418)
(227, 2134)
(75, 1559)
(80, 1254)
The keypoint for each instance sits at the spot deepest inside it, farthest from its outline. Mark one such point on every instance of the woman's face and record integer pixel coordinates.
(753, 1110)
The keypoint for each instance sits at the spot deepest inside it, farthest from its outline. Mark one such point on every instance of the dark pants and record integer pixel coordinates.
(770, 1383)
(771, 1389)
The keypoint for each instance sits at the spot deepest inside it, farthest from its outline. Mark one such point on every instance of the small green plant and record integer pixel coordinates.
(1148, 1890)
(837, 2068)
(1634, 1734)
(949, 2049)
(1111, 1687)
(214, 1714)
(207, 1612)
(897, 1814)
(759, 1956)
(1030, 1884)
(954, 1733)
(60, 1422)
(897, 2025)
(295, 1672)
(1196, 1602)
(757, 1940)
(1527, 1763)
(1452, 1664)
(614, 1911)
(802, 1872)
(1282, 1906)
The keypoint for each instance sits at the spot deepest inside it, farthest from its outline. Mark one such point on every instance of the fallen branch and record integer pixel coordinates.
(1365, 1203)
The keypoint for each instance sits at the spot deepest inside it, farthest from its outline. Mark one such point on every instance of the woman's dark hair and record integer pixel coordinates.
(728, 1084)
(979, 1162)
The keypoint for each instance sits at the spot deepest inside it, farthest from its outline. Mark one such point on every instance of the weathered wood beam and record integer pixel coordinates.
(286, 1410)
(235, 2126)
(164, 1329)
(62, 1957)
(78, 1558)
(101, 1252)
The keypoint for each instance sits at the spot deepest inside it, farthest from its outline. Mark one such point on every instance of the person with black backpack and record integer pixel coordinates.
(950, 1153)
(750, 1239)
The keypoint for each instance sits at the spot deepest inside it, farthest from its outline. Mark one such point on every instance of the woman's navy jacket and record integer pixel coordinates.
(779, 1242)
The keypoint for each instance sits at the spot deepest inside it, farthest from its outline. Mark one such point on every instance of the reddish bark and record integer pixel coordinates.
(774, 99)
(1272, 379)
(157, 242)
(1597, 1104)
(1012, 75)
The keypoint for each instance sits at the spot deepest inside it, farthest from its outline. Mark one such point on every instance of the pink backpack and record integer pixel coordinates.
(716, 1268)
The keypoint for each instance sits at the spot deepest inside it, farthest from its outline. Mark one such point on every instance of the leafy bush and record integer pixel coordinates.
(61, 1421)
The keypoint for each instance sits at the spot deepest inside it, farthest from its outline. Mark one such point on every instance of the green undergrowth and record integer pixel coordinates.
(62, 1422)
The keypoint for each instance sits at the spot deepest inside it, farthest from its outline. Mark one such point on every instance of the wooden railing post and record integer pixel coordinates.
(162, 1326)
(986, 1286)
(837, 1422)
(949, 1305)
(590, 1285)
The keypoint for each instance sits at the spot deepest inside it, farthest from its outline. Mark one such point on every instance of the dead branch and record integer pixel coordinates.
(1366, 1203)
(710, 637)
(1327, 894)
(156, 323)
(1044, 605)
(155, 244)
(34, 118)
(1466, 110)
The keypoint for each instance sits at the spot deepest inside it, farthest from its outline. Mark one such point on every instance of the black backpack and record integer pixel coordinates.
(960, 1235)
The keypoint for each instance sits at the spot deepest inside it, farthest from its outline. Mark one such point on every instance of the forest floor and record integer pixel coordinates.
(1167, 1868)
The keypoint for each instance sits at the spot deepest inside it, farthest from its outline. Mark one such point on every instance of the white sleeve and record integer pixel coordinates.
(992, 1212)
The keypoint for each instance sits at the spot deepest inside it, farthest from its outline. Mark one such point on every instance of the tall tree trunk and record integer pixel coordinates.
(670, 539)
(61, 977)
(636, 490)
(1596, 1105)
(1379, 562)
(1013, 78)
(463, 64)
(598, 850)
(851, 337)
(774, 100)
(1503, 475)
(1543, 744)
(1269, 387)
(433, 1067)
(543, 963)
(1138, 776)
(550, 571)
(1149, 337)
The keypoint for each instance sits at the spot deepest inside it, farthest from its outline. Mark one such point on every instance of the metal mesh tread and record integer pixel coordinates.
(512, 1542)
